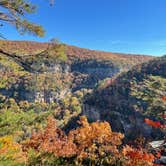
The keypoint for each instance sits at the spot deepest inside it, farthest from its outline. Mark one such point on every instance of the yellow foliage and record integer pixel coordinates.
(10, 149)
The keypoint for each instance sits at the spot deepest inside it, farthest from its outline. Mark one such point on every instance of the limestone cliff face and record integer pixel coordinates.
(92, 72)
(50, 82)
(83, 74)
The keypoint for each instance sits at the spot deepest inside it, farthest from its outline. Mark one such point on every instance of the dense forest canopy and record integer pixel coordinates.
(64, 105)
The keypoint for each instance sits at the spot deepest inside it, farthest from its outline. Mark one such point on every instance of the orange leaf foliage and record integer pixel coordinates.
(138, 157)
(93, 141)
(52, 140)
(90, 140)
(152, 123)
(97, 137)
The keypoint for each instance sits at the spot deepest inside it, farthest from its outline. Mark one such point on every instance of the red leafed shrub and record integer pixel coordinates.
(164, 98)
(153, 123)
(157, 124)
(164, 116)
(138, 157)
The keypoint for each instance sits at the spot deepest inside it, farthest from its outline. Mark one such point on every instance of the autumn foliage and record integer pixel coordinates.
(157, 124)
(89, 141)
(52, 140)
(10, 150)
(164, 98)
(153, 123)
(93, 143)
(138, 157)
(95, 139)
(72, 52)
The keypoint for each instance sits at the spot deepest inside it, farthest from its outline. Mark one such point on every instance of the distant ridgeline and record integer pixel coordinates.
(39, 79)
(45, 72)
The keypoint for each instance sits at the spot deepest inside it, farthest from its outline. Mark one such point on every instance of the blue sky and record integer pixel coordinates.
(128, 26)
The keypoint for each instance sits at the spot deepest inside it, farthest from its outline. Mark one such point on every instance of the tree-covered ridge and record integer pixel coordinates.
(122, 83)
(151, 91)
(134, 94)
(50, 68)
(21, 48)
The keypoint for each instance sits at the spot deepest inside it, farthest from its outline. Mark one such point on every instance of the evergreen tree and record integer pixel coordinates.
(13, 12)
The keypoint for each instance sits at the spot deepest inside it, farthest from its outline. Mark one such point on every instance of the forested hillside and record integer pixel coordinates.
(45, 88)
(45, 72)
(131, 96)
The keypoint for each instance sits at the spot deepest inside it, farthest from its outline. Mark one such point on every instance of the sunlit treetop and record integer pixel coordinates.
(14, 11)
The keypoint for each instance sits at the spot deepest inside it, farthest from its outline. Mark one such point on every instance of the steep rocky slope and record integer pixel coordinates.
(30, 74)
(127, 99)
